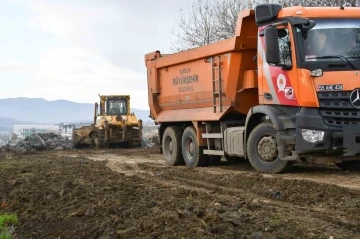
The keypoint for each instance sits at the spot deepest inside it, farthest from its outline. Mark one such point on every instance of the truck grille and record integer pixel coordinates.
(336, 109)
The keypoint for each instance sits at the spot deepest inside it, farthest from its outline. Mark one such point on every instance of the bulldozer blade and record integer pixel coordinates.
(81, 137)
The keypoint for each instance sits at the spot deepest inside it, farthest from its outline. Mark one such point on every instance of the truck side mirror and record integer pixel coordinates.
(272, 52)
(309, 25)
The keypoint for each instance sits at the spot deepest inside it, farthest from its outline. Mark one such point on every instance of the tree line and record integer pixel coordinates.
(208, 21)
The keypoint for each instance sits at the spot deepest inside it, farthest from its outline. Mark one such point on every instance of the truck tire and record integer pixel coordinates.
(262, 150)
(192, 153)
(171, 146)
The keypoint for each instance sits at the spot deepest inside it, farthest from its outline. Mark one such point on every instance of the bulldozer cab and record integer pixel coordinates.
(114, 105)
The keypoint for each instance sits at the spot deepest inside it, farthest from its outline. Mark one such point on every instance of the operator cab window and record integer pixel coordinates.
(117, 106)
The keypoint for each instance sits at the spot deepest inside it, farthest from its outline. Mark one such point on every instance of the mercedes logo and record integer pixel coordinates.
(355, 98)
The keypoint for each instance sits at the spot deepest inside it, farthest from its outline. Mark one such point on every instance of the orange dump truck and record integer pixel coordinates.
(285, 88)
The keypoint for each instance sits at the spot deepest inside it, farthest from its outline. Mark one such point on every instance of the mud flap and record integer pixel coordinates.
(351, 139)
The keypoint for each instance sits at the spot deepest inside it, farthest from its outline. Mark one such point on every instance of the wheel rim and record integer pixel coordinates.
(171, 146)
(266, 148)
(189, 148)
(169, 150)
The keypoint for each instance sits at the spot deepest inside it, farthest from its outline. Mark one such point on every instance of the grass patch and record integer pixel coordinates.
(7, 220)
(6, 165)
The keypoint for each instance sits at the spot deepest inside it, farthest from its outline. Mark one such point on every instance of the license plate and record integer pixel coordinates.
(330, 87)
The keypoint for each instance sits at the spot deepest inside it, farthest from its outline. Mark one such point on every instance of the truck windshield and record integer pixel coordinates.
(116, 106)
(331, 38)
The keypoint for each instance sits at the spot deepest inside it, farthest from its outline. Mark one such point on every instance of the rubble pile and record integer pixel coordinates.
(151, 141)
(37, 142)
(146, 143)
(155, 140)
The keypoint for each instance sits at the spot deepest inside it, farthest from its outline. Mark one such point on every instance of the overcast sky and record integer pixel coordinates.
(75, 49)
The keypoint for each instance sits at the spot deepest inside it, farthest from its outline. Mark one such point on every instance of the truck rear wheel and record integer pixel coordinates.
(192, 153)
(171, 146)
(262, 150)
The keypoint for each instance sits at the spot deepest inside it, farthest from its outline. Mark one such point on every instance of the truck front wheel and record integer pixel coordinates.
(262, 150)
(171, 146)
(192, 153)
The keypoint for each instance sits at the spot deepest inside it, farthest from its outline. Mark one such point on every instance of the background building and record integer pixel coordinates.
(4, 138)
(66, 130)
(22, 131)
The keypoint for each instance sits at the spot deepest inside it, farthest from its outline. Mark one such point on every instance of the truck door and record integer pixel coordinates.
(278, 81)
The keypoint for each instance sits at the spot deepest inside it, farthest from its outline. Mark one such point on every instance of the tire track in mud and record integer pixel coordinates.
(135, 195)
(322, 174)
(320, 215)
(300, 189)
(310, 218)
(266, 209)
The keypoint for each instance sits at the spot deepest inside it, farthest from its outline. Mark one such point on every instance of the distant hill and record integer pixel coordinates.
(27, 110)
(7, 124)
(5, 129)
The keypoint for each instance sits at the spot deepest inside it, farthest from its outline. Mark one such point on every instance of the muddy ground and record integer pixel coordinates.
(131, 194)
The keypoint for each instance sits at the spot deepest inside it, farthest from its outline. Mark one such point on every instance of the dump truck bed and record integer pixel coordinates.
(183, 86)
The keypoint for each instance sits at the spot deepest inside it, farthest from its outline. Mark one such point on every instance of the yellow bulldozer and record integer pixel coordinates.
(114, 125)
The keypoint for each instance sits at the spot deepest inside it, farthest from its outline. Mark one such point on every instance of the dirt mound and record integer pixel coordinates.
(38, 142)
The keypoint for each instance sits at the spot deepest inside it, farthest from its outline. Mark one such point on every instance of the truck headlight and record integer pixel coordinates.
(316, 73)
(312, 136)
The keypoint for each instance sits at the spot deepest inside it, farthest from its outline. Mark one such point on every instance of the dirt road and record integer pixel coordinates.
(132, 194)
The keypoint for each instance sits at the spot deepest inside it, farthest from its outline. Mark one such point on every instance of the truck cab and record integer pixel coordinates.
(311, 57)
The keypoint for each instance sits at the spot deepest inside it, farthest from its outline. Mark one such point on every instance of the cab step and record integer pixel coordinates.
(214, 152)
(212, 135)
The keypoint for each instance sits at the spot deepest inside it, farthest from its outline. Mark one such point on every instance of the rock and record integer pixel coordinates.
(146, 143)
(167, 217)
(155, 140)
(16, 182)
(127, 233)
(90, 212)
(275, 195)
(257, 235)
(217, 205)
(80, 212)
(59, 148)
(105, 224)
(109, 233)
